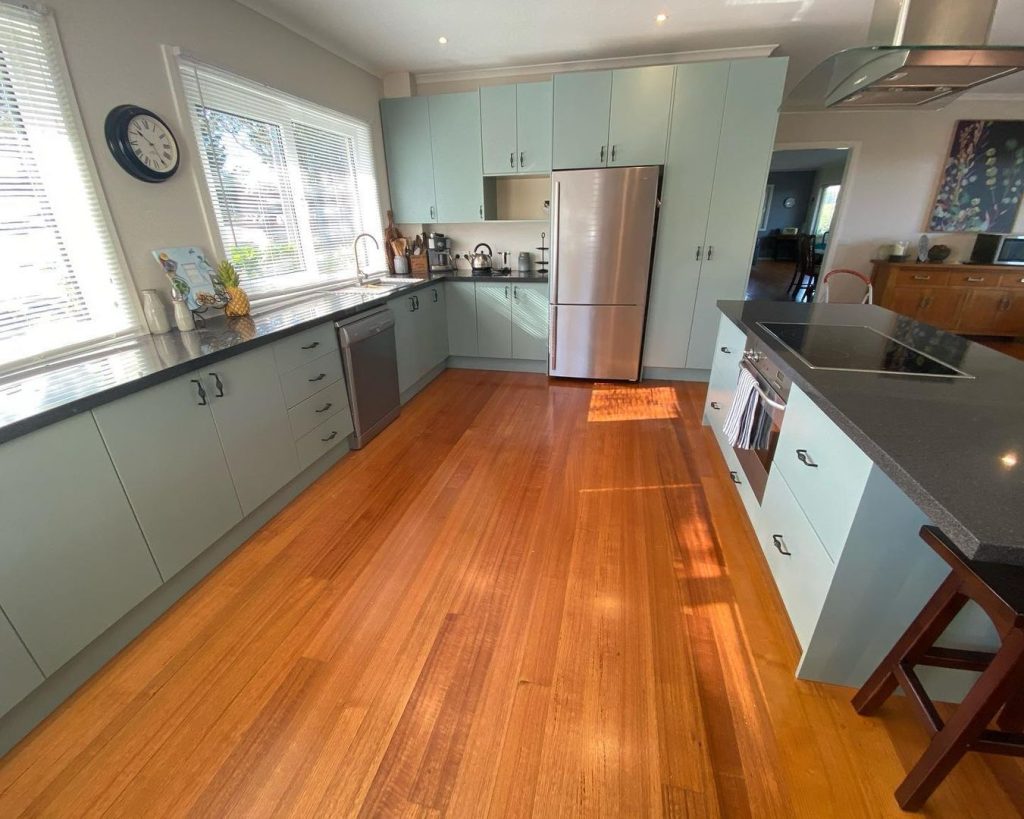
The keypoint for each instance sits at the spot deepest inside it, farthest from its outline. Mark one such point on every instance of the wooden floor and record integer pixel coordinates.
(524, 598)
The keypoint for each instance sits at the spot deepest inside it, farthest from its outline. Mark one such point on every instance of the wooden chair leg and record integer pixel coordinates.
(1012, 717)
(998, 682)
(920, 635)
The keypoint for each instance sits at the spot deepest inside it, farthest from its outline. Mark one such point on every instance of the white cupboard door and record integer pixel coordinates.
(436, 325)
(498, 129)
(530, 321)
(744, 153)
(494, 319)
(460, 305)
(533, 127)
(164, 444)
(582, 101)
(406, 344)
(685, 200)
(641, 102)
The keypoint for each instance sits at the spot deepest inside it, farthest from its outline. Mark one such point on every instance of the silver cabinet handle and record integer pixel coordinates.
(331, 437)
(697, 256)
(805, 458)
(602, 154)
(920, 278)
(432, 212)
(320, 377)
(614, 148)
(553, 337)
(219, 383)
(975, 278)
(522, 159)
(735, 478)
(416, 302)
(710, 253)
(481, 211)
(325, 407)
(312, 346)
(515, 292)
(715, 405)
(506, 292)
(201, 392)
(556, 202)
(512, 159)
(434, 290)
(725, 350)
(412, 305)
(780, 544)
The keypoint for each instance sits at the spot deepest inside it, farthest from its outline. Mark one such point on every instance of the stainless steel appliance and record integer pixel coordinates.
(439, 254)
(371, 372)
(997, 248)
(479, 261)
(773, 391)
(603, 224)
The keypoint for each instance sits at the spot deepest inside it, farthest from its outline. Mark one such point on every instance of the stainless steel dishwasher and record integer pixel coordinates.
(371, 372)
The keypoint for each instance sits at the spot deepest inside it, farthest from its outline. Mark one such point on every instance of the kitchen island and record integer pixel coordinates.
(861, 461)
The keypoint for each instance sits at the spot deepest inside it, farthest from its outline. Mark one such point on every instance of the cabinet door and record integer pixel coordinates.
(73, 560)
(252, 421)
(1011, 314)
(498, 129)
(638, 127)
(729, 346)
(533, 127)
(460, 305)
(744, 152)
(458, 165)
(436, 326)
(685, 199)
(407, 345)
(165, 447)
(530, 321)
(939, 306)
(406, 126)
(18, 674)
(494, 319)
(582, 103)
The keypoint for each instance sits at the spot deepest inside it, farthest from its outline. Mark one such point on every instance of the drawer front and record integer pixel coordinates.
(804, 574)
(739, 479)
(729, 347)
(318, 408)
(308, 379)
(304, 347)
(322, 439)
(974, 279)
(922, 278)
(826, 471)
(1012, 279)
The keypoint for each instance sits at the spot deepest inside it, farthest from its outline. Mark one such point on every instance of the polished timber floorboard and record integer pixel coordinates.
(524, 598)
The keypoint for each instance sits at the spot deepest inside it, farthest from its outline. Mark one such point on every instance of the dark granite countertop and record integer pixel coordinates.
(465, 276)
(47, 394)
(954, 445)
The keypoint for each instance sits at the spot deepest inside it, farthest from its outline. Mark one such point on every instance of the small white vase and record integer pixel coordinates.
(156, 312)
(183, 317)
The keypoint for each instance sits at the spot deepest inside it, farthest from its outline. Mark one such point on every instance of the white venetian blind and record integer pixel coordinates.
(292, 183)
(62, 285)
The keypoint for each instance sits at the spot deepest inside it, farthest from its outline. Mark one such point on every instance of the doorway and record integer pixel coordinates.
(799, 213)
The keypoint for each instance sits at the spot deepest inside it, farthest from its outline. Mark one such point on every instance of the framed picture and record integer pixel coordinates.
(983, 179)
(191, 275)
(766, 206)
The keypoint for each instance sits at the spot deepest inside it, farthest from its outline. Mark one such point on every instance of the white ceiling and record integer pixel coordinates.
(401, 35)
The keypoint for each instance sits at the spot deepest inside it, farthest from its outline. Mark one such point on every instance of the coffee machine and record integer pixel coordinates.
(439, 254)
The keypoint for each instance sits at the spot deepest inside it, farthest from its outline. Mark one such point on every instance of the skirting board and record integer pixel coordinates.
(513, 365)
(674, 374)
(60, 685)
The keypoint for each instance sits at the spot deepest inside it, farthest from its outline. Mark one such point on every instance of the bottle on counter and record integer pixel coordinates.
(183, 317)
(155, 310)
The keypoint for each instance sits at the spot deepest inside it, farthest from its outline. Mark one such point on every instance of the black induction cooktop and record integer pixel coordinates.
(856, 348)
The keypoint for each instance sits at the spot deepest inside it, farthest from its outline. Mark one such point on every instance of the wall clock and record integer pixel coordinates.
(789, 201)
(142, 143)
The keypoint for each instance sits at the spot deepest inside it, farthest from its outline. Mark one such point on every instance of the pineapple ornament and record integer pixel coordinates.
(238, 302)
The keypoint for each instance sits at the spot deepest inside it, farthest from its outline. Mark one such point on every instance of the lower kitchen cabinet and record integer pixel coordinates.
(421, 333)
(494, 319)
(18, 674)
(164, 444)
(460, 305)
(252, 422)
(530, 321)
(73, 560)
(729, 346)
(435, 319)
(406, 348)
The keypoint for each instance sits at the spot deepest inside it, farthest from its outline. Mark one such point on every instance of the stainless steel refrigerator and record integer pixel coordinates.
(602, 225)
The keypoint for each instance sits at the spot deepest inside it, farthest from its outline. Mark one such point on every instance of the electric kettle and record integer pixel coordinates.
(481, 262)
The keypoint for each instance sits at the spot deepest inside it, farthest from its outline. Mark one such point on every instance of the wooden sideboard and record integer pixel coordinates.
(971, 299)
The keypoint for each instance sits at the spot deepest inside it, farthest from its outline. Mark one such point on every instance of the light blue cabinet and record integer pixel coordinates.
(638, 124)
(164, 444)
(435, 326)
(498, 129)
(582, 104)
(533, 127)
(456, 151)
(73, 560)
(421, 333)
(530, 321)
(252, 422)
(725, 371)
(688, 181)
(494, 319)
(406, 125)
(460, 305)
(406, 344)
(18, 673)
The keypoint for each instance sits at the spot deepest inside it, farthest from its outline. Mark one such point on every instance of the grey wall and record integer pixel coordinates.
(789, 183)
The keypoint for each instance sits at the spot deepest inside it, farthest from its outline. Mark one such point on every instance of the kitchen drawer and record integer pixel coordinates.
(803, 576)
(307, 379)
(739, 479)
(922, 278)
(829, 491)
(301, 348)
(1012, 279)
(324, 438)
(974, 278)
(318, 408)
(729, 347)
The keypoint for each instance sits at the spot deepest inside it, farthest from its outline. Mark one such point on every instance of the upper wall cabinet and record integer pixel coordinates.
(612, 117)
(516, 128)
(455, 148)
(406, 125)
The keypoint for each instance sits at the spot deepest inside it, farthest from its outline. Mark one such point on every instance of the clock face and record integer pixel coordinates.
(152, 143)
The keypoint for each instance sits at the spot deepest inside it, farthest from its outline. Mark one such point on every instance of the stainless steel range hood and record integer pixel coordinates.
(924, 54)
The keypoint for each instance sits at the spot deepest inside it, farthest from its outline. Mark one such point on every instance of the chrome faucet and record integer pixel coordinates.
(360, 276)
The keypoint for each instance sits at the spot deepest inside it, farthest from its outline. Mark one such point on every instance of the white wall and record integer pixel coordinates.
(114, 55)
(891, 187)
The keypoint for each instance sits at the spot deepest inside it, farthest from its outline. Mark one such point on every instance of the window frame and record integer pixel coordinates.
(76, 129)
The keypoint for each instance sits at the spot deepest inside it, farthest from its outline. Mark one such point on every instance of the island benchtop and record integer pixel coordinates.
(954, 445)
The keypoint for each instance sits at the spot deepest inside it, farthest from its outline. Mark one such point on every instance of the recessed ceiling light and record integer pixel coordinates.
(661, 18)
(442, 40)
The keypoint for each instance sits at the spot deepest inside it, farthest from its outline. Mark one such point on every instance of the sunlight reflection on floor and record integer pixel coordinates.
(614, 403)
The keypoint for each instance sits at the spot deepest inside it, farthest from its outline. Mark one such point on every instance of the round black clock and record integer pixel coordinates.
(141, 143)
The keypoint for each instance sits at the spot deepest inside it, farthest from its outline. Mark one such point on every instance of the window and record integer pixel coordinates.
(828, 196)
(292, 183)
(62, 284)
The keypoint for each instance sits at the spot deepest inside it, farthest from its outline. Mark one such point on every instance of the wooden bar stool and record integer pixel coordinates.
(999, 590)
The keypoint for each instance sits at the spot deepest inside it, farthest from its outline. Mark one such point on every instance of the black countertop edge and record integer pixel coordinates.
(513, 277)
(218, 332)
(970, 505)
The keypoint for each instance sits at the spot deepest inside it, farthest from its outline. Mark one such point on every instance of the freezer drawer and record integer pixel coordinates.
(595, 342)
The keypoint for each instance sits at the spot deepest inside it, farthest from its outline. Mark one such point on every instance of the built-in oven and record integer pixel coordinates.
(772, 388)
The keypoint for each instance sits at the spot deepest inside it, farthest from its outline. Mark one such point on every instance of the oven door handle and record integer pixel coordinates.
(771, 402)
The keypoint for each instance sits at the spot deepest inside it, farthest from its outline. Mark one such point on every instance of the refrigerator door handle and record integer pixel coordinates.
(556, 202)
(553, 341)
